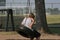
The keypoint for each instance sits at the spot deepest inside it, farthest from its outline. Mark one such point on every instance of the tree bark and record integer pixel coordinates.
(41, 16)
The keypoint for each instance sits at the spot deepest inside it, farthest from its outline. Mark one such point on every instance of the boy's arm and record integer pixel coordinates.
(22, 23)
(32, 22)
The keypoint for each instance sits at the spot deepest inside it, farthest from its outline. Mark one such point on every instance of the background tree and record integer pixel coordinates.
(41, 16)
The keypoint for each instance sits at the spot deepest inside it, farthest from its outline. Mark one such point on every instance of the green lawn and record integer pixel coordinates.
(53, 19)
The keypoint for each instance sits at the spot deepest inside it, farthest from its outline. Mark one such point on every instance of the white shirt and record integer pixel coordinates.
(26, 22)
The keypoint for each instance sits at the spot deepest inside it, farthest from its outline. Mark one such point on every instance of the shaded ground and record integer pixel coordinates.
(16, 36)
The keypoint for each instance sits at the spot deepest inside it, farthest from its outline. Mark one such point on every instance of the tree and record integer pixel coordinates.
(41, 16)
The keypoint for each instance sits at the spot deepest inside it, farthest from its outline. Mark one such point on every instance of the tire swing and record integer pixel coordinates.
(28, 33)
(25, 32)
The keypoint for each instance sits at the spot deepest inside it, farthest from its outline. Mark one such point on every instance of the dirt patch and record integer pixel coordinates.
(19, 37)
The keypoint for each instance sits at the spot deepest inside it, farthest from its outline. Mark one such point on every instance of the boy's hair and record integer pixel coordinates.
(32, 15)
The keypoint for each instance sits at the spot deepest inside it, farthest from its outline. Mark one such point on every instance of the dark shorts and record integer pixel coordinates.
(26, 32)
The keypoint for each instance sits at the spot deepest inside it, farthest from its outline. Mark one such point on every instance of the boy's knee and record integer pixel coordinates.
(38, 35)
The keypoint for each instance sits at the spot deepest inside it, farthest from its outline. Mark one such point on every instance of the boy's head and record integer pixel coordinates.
(31, 15)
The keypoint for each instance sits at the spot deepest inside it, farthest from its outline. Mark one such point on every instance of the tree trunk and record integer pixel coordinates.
(41, 16)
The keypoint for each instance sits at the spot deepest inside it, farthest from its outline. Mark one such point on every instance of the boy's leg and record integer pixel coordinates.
(31, 38)
(37, 35)
(37, 38)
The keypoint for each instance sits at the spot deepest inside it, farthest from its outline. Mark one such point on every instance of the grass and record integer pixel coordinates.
(53, 19)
